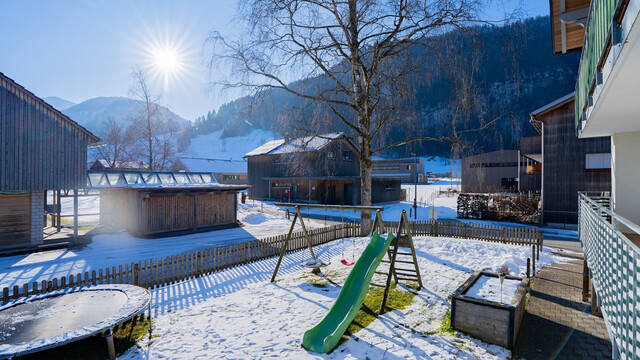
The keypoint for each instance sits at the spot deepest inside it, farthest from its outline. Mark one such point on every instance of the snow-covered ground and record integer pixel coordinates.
(239, 314)
(86, 205)
(121, 248)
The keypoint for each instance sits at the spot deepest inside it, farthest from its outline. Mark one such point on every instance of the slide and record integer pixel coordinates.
(325, 336)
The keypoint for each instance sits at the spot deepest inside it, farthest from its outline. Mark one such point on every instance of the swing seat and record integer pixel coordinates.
(315, 264)
(346, 263)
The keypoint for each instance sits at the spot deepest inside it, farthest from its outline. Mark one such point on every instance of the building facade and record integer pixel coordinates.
(323, 170)
(410, 170)
(41, 149)
(569, 165)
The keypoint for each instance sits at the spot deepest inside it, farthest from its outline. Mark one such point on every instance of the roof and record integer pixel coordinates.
(17, 88)
(307, 143)
(545, 109)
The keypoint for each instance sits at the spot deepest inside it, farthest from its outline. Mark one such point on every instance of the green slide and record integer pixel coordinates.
(325, 336)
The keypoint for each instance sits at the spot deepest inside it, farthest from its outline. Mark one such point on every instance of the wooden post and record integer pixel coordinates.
(533, 258)
(75, 215)
(585, 281)
(528, 268)
(284, 247)
(58, 211)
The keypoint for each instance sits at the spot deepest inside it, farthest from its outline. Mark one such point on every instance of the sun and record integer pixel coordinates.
(167, 60)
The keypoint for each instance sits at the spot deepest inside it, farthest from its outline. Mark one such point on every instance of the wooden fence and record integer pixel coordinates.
(153, 273)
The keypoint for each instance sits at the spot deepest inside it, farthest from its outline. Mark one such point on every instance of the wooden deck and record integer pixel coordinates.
(635, 238)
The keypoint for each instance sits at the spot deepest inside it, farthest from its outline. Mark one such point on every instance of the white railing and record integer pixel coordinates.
(614, 261)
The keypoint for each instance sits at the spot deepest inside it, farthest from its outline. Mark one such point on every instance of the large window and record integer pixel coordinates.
(597, 161)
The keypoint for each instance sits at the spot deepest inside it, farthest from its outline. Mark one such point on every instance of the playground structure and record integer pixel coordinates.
(45, 321)
(325, 335)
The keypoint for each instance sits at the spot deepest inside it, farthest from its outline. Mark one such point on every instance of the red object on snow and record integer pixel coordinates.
(346, 263)
(415, 206)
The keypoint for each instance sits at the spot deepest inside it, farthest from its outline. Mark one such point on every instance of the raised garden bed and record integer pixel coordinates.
(476, 308)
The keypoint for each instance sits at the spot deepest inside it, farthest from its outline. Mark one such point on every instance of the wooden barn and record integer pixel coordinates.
(569, 164)
(41, 149)
(323, 169)
(148, 204)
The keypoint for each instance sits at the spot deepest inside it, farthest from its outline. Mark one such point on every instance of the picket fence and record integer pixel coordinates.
(153, 273)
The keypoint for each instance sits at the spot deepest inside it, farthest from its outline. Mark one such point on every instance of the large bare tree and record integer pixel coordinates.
(361, 51)
(154, 131)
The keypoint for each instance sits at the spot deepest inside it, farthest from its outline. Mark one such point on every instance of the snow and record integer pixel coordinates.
(238, 313)
(86, 205)
(488, 288)
(107, 250)
(225, 153)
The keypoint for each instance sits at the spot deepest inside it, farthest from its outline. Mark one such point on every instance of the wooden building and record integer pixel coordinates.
(148, 211)
(410, 170)
(324, 169)
(569, 164)
(495, 171)
(40, 149)
(150, 203)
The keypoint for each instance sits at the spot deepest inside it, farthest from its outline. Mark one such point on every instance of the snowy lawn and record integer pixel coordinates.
(237, 313)
(107, 250)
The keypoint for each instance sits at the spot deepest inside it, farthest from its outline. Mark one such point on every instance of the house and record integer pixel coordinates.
(226, 171)
(606, 104)
(569, 165)
(149, 203)
(41, 149)
(103, 164)
(321, 169)
(531, 170)
(410, 170)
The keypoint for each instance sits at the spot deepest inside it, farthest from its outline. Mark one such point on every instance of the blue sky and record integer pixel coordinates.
(79, 49)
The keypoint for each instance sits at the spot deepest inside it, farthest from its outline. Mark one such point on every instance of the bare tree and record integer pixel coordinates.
(154, 131)
(360, 49)
(115, 145)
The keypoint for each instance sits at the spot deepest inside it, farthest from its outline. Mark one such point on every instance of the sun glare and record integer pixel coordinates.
(169, 59)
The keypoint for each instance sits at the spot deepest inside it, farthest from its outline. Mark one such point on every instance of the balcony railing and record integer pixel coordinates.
(596, 38)
(614, 261)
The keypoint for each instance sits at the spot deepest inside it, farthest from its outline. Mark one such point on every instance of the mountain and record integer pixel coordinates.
(515, 74)
(58, 103)
(91, 113)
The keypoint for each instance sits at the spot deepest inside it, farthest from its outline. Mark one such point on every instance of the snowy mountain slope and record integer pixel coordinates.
(59, 103)
(91, 113)
(213, 153)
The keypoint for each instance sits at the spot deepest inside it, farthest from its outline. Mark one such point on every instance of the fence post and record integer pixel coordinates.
(134, 274)
(533, 258)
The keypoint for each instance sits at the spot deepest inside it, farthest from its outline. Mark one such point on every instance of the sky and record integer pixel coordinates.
(80, 49)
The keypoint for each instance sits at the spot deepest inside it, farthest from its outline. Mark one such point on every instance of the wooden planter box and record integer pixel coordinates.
(486, 320)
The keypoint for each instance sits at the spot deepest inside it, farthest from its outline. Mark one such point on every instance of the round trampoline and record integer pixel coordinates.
(48, 320)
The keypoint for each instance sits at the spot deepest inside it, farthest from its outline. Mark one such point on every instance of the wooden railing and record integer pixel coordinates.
(153, 273)
(614, 263)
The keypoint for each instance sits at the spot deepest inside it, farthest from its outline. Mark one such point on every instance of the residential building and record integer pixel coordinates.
(322, 169)
(606, 104)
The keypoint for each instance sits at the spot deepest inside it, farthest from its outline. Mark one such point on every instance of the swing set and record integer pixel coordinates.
(315, 263)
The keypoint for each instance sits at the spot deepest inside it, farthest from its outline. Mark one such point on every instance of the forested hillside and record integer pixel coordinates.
(498, 73)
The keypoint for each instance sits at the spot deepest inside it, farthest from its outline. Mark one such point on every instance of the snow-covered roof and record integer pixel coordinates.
(307, 143)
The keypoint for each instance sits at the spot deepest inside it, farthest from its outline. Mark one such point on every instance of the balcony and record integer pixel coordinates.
(611, 249)
(607, 86)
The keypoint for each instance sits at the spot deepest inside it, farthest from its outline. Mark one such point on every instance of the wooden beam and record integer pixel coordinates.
(331, 207)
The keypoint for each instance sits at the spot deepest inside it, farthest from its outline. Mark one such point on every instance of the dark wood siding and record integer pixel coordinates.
(564, 166)
(15, 219)
(39, 148)
(485, 172)
(149, 212)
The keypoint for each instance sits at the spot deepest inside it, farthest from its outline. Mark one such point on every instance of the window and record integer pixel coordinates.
(331, 155)
(346, 155)
(388, 187)
(597, 161)
(230, 177)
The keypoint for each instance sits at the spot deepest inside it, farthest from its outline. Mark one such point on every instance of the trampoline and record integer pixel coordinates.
(52, 319)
